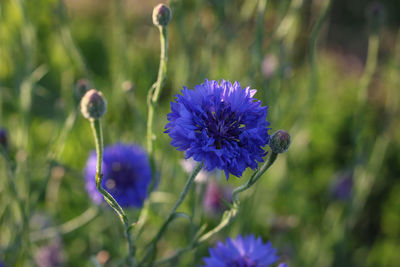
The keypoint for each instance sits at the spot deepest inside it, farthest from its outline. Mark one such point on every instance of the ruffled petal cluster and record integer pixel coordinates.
(245, 251)
(126, 174)
(220, 124)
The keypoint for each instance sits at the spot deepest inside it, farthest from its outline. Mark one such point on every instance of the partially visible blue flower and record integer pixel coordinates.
(342, 186)
(2, 264)
(126, 174)
(221, 125)
(243, 252)
(282, 265)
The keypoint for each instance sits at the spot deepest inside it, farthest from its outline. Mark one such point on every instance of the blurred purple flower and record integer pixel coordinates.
(126, 174)
(219, 124)
(214, 198)
(282, 265)
(50, 255)
(243, 252)
(3, 137)
(343, 186)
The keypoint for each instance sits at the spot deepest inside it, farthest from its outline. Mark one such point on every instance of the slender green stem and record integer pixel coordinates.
(20, 202)
(254, 178)
(155, 90)
(68, 41)
(370, 66)
(358, 129)
(228, 216)
(365, 171)
(152, 99)
(152, 245)
(98, 137)
(313, 48)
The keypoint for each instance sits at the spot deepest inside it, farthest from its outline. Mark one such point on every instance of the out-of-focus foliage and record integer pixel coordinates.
(344, 123)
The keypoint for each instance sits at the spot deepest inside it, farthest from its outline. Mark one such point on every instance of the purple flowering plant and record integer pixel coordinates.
(218, 124)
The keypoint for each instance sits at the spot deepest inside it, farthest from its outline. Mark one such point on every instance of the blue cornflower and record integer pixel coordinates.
(126, 174)
(242, 252)
(221, 125)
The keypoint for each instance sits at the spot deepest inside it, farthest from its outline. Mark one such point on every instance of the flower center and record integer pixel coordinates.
(224, 125)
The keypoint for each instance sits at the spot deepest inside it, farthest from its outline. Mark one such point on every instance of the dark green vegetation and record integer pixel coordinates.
(332, 81)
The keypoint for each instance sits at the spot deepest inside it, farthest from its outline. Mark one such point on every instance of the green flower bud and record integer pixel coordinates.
(280, 141)
(93, 105)
(161, 15)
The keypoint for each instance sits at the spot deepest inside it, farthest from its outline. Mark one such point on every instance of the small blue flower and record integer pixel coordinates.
(126, 174)
(242, 252)
(282, 265)
(342, 187)
(221, 125)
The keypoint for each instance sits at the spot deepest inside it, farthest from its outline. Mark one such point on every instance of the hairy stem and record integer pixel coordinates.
(155, 90)
(313, 48)
(98, 137)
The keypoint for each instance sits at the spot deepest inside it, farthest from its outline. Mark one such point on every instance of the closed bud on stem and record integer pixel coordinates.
(93, 105)
(280, 141)
(81, 87)
(3, 138)
(161, 15)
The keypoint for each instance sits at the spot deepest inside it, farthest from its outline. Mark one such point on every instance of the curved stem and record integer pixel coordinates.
(98, 137)
(254, 178)
(313, 48)
(152, 245)
(155, 90)
(370, 66)
(20, 202)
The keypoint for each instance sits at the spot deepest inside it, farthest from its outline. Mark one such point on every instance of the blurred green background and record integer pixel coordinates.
(328, 71)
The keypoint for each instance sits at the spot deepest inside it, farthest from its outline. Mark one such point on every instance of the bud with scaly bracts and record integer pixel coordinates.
(280, 141)
(93, 105)
(161, 15)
